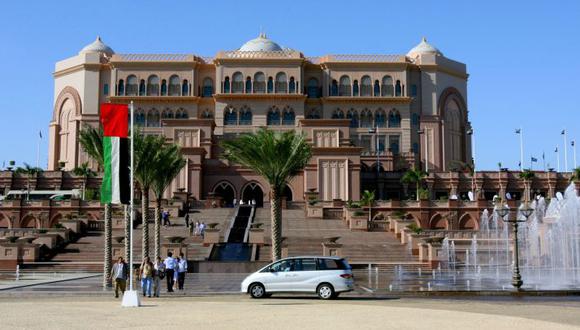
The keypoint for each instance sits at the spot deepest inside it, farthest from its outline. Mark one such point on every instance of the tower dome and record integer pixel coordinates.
(260, 44)
(424, 48)
(97, 46)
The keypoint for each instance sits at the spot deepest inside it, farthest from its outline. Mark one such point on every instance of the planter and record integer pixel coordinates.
(175, 239)
(211, 236)
(359, 223)
(256, 236)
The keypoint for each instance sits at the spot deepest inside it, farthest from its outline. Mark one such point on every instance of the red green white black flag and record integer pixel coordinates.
(115, 186)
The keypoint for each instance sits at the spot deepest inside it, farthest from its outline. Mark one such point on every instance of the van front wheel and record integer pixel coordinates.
(257, 290)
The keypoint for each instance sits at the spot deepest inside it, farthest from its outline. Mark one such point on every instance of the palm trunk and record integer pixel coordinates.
(84, 187)
(276, 216)
(157, 228)
(418, 186)
(145, 217)
(108, 244)
(128, 228)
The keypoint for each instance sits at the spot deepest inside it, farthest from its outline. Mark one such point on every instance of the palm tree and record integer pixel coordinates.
(368, 198)
(30, 172)
(575, 175)
(527, 175)
(169, 163)
(146, 151)
(416, 176)
(91, 140)
(85, 172)
(277, 157)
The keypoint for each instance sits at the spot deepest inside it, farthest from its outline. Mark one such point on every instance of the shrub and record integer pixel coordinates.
(358, 213)
(415, 229)
(312, 202)
(424, 193)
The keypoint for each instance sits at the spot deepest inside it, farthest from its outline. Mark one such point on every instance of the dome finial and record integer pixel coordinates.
(424, 39)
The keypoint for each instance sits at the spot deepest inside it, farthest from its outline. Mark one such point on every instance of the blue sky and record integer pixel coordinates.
(521, 55)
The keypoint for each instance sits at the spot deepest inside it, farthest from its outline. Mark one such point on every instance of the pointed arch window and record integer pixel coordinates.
(207, 90)
(227, 85)
(139, 117)
(337, 114)
(387, 86)
(153, 118)
(353, 116)
(248, 85)
(344, 88)
(380, 118)
(185, 87)
(207, 114)
(366, 118)
(230, 116)
(355, 89)
(181, 114)
(394, 119)
(273, 117)
(163, 87)
(377, 89)
(167, 114)
(313, 114)
(292, 86)
(334, 88)
(245, 116)
(142, 87)
(270, 85)
(121, 88)
(288, 117)
(259, 82)
(398, 88)
(312, 89)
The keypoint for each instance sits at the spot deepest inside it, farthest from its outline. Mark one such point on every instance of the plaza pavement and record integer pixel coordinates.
(289, 312)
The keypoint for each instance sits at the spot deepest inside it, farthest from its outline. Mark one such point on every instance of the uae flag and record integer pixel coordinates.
(115, 186)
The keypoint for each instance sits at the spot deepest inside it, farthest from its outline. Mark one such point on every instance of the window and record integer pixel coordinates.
(381, 144)
(380, 118)
(312, 89)
(273, 117)
(394, 144)
(174, 86)
(338, 114)
(237, 83)
(334, 88)
(366, 86)
(208, 87)
(121, 88)
(326, 264)
(248, 85)
(288, 117)
(259, 83)
(398, 90)
(344, 88)
(270, 85)
(366, 119)
(245, 116)
(282, 266)
(167, 114)
(415, 119)
(355, 90)
(153, 118)
(292, 86)
(132, 86)
(416, 148)
(387, 86)
(305, 265)
(281, 83)
(163, 87)
(353, 116)
(207, 114)
(142, 87)
(139, 117)
(230, 116)
(413, 90)
(227, 85)
(181, 114)
(377, 89)
(106, 89)
(185, 87)
(394, 119)
(313, 114)
(153, 86)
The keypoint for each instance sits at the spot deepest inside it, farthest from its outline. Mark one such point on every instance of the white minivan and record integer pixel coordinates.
(325, 276)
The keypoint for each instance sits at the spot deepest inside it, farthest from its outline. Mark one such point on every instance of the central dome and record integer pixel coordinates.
(260, 44)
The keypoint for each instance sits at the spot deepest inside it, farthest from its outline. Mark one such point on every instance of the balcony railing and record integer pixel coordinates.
(237, 87)
(366, 90)
(132, 90)
(259, 87)
(153, 90)
(281, 87)
(344, 90)
(174, 90)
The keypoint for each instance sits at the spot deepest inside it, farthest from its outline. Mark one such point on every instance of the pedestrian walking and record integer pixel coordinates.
(175, 273)
(202, 229)
(186, 218)
(181, 271)
(167, 218)
(146, 276)
(119, 275)
(158, 275)
(169, 271)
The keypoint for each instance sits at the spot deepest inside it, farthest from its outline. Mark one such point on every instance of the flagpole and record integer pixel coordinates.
(132, 214)
(521, 149)
(38, 149)
(565, 150)
(558, 157)
(574, 151)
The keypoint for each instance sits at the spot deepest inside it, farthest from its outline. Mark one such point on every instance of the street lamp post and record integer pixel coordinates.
(470, 133)
(526, 211)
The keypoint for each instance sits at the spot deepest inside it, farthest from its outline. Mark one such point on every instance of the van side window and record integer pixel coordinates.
(305, 265)
(329, 264)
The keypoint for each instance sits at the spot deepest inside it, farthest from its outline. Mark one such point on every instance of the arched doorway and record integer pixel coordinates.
(253, 192)
(29, 222)
(287, 193)
(467, 223)
(226, 192)
(438, 222)
(4, 222)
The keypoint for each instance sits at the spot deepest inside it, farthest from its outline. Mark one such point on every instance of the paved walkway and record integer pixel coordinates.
(240, 312)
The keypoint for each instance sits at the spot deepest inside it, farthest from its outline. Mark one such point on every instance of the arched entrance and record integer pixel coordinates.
(29, 222)
(467, 223)
(226, 192)
(4, 222)
(287, 193)
(253, 192)
(438, 222)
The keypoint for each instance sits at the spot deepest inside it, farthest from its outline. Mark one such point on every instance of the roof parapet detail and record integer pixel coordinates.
(378, 58)
(153, 58)
(236, 54)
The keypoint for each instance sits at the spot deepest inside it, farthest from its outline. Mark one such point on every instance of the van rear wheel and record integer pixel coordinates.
(257, 291)
(325, 291)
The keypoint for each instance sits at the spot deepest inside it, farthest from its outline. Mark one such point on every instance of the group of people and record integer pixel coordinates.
(150, 274)
(197, 229)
